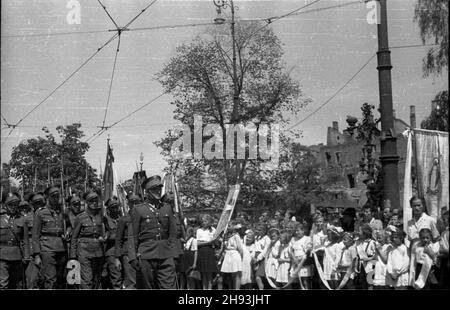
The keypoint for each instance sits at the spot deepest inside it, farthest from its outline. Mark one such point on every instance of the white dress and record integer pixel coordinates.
(247, 270)
(330, 261)
(379, 278)
(283, 268)
(232, 261)
(272, 260)
(300, 249)
(398, 266)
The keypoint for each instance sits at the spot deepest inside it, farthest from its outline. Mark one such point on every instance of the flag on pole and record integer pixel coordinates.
(108, 174)
(431, 157)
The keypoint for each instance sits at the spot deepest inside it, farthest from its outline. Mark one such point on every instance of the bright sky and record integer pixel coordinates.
(324, 48)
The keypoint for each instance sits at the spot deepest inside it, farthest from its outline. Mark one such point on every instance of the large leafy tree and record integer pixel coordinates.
(202, 81)
(438, 118)
(38, 162)
(432, 18)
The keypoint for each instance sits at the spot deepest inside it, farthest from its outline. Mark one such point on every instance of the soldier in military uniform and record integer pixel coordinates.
(111, 220)
(123, 243)
(154, 237)
(32, 272)
(87, 243)
(75, 208)
(12, 255)
(49, 245)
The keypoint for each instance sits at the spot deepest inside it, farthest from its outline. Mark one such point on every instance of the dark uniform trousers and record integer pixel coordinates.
(10, 274)
(33, 275)
(12, 231)
(48, 242)
(114, 273)
(88, 249)
(124, 238)
(154, 237)
(158, 273)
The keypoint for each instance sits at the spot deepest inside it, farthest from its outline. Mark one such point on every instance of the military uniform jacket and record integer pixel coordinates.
(154, 232)
(48, 231)
(111, 230)
(12, 231)
(85, 240)
(122, 244)
(29, 221)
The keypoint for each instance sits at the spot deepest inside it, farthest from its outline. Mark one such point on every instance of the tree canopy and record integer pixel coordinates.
(37, 162)
(438, 118)
(200, 77)
(432, 18)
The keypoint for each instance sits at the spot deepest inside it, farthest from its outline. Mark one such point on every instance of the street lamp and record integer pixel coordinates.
(219, 20)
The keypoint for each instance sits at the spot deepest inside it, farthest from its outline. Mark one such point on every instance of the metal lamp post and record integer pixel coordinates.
(222, 4)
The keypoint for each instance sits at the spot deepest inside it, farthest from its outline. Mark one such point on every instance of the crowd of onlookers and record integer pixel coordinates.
(330, 249)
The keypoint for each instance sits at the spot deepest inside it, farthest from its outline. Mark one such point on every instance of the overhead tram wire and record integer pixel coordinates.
(335, 94)
(53, 34)
(340, 89)
(110, 17)
(112, 79)
(140, 13)
(64, 82)
(319, 9)
(278, 18)
(129, 114)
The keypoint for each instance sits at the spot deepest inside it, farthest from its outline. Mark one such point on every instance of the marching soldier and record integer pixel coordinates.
(111, 221)
(75, 208)
(32, 273)
(86, 245)
(12, 231)
(123, 244)
(49, 247)
(154, 237)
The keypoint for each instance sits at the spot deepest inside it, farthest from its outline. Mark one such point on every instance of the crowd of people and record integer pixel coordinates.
(329, 249)
(91, 245)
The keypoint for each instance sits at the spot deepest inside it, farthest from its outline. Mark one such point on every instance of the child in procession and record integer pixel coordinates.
(397, 266)
(301, 246)
(284, 260)
(232, 262)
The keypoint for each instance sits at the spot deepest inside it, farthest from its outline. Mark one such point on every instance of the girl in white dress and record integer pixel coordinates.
(382, 248)
(284, 260)
(301, 246)
(333, 250)
(398, 262)
(273, 253)
(248, 260)
(232, 262)
(262, 244)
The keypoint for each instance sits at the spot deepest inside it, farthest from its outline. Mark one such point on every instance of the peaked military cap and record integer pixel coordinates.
(51, 190)
(37, 197)
(90, 196)
(133, 197)
(11, 198)
(112, 202)
(152, 182)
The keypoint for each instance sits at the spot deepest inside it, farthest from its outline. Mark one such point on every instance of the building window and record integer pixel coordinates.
(338, 158)
(351, 180)
(328, 156)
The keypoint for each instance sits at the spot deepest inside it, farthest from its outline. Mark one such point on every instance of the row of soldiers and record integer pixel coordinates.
(44, 246)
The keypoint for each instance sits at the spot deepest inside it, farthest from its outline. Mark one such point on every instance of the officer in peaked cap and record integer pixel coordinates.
(12, 233)
(87, 242)
(154, 237)
(49, 247)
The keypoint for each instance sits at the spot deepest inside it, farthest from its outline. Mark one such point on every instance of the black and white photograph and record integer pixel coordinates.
(233, 148)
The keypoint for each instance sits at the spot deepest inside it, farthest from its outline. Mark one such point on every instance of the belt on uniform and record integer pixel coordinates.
(155, 237)
(89, 239)
(9, 243)
(48, 234)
